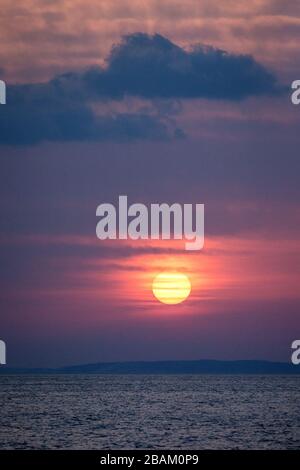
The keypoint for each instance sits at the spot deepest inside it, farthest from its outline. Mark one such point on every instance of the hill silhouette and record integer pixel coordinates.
(166, 367)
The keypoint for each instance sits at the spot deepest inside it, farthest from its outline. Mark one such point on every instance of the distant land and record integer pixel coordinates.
(166, 367)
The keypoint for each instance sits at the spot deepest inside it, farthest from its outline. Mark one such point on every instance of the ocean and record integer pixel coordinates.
(149, 412)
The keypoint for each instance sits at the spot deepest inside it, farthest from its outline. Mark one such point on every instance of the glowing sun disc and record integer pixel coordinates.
(171, 287)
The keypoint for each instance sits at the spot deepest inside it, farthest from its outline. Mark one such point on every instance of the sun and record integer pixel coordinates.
(171, 287)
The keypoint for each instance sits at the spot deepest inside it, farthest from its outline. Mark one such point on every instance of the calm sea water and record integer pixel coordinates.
(172, 412)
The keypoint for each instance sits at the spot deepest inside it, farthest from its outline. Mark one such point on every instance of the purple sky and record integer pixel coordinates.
(160, 121)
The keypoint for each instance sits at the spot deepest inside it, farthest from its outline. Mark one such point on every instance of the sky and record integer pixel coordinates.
(164, 102)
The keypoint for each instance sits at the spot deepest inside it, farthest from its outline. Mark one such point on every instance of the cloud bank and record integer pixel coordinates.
(154, 67)
(142, 66)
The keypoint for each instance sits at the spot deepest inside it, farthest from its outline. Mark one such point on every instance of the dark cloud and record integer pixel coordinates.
(30, 124)
(148, 67)
(152, 66)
